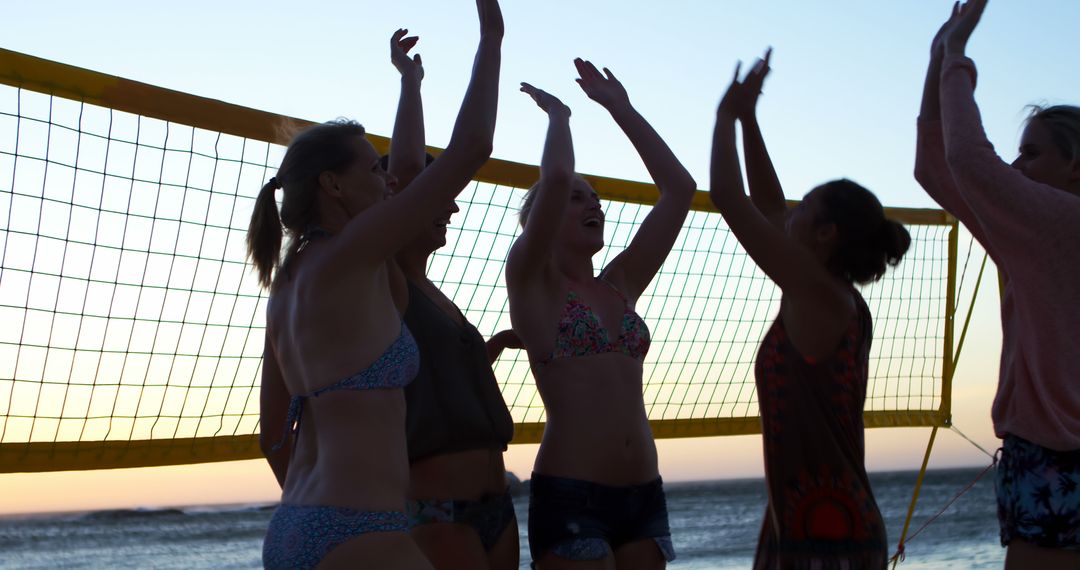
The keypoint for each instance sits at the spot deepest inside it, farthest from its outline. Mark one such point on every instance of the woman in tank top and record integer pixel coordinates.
(457, 425)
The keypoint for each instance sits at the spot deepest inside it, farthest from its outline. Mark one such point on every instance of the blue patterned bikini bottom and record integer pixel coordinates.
(301, 536)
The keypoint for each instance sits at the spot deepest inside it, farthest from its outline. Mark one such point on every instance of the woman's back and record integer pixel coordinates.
(349, 450)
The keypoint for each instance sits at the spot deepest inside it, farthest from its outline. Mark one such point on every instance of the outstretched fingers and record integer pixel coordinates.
(399, 41)
(755, 78)
(400, 45)
(543, 99)
(586, 70)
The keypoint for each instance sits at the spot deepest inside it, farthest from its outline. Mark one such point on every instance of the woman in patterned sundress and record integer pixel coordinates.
(812, 366)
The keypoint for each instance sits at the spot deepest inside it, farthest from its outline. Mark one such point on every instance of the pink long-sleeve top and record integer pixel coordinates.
(1032, 232)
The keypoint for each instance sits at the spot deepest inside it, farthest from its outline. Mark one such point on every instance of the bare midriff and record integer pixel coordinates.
(597, 429)
(463, 475)
(350, 452)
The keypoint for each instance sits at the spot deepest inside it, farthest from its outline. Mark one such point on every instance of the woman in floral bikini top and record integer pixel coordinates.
(596, 493)
(581, 333)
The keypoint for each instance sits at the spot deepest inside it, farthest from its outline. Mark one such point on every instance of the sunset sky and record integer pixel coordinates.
(841, 101)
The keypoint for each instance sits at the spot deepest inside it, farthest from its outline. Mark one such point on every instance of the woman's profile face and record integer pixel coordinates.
(1042, 161)
(364, 182)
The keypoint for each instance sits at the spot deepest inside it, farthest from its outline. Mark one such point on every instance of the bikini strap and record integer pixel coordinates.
(621, 295)
(292, 422)
(313, 231)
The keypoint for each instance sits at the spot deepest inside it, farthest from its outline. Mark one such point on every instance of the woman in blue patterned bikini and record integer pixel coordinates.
(597, 499)
(335, 437)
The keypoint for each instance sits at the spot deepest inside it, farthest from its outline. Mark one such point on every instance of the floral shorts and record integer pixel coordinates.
(1038, 494)
(488, 516)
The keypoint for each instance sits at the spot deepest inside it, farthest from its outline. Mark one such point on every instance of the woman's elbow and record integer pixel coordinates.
(687, 187)
(475, 147)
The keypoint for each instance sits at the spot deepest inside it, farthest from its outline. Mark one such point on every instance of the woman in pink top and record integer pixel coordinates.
(1026, 215)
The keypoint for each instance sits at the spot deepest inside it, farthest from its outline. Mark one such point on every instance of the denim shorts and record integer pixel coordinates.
(581, 520)
(1038, 494)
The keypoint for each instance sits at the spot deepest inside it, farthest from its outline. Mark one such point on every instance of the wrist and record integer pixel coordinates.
(726, 116)
(561, 112)
(622, 110)
(954, 48)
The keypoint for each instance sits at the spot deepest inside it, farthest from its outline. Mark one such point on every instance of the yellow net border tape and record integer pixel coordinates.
(70, 82)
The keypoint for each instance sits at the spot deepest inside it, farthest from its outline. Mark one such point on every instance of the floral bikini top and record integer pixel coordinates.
(581, 334)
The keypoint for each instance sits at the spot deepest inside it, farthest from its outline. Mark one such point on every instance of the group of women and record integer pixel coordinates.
(385, 426)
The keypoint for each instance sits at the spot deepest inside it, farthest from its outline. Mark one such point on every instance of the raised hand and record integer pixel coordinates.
(937, 45)
(549, 103)
(957, 30)
(399, 54)
(491, 20)
(752, 84)
(607, 91)
(740, 100)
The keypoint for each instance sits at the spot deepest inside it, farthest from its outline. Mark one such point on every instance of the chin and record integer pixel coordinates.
(438, 240)
(593, 246)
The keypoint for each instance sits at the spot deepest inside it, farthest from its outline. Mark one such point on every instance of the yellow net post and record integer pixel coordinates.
(915, 496)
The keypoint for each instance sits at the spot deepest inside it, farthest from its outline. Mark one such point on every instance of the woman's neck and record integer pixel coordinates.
(575, 267)
(413, 263)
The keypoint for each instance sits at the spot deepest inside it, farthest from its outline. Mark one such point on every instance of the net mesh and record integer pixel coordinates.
(130, 314)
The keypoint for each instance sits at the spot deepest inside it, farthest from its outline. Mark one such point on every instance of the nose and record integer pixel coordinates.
(454, 207)
(1017, 164)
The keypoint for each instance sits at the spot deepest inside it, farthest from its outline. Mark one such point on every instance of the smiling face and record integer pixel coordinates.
(583, 220)
(433, 236)
(1042, 160)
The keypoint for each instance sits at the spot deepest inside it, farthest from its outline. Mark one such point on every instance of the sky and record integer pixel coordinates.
(841, 101)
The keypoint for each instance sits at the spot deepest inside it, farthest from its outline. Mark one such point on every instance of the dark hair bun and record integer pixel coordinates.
(867, 241)
(895, 241)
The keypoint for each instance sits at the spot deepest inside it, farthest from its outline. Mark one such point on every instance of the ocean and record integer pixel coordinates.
(714, 525)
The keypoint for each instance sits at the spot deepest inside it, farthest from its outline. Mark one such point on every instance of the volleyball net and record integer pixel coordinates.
(133, 328)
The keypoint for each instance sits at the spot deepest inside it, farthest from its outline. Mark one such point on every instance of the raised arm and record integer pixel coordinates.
(532, 250)
(931, 168)
(633, 269)
(1010, 208)
(380, 231)
(806, 283)
(765, 190)
(407, 153)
